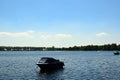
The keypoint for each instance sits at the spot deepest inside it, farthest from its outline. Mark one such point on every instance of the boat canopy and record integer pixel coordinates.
(47, 60)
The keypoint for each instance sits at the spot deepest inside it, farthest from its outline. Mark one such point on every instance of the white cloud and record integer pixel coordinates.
(63, 35)
(55, 36)
(31, 34)
(18, 34)
(102, 34)
(45, 36)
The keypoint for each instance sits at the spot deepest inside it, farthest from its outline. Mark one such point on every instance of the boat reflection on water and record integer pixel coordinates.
(50, 71)
(48, 64)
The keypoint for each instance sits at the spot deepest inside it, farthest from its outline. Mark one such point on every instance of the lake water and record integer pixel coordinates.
(79, 65)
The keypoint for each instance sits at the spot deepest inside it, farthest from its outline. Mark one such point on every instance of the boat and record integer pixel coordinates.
(116, 53)
(48, 63)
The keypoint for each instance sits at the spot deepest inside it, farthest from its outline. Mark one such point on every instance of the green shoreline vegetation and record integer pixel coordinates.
(106, 47)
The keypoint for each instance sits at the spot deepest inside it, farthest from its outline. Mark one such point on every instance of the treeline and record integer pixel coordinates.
(106, 47)
(10, 48)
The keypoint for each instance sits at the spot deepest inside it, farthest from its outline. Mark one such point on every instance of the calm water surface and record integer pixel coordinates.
(79, 65)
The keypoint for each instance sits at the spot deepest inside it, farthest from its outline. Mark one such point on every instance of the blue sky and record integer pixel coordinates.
(59, 22)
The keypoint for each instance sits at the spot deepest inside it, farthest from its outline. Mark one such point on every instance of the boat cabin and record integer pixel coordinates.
(47, 60)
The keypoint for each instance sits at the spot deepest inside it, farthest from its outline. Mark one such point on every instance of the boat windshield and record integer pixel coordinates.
(43, 60)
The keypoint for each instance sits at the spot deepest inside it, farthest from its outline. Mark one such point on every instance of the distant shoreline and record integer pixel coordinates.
(106, 47)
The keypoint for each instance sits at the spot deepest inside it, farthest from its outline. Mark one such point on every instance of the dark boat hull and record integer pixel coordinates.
(116, 53)
(50, 66)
